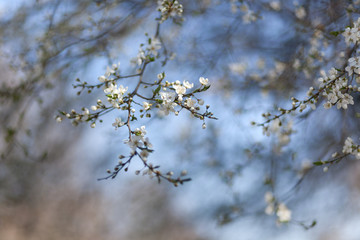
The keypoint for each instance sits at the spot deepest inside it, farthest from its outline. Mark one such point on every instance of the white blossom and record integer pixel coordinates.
(134, 142)
(275, 5)
(283, 213)
(204, 81)
(187, 84)
(300, 13)
(146, 106)
(180, 90)
(190, 102)
(118, 123)
(154, 46)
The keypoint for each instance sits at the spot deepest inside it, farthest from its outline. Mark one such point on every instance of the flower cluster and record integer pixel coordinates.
(335, 90)
(351, 148)
(175, 95)
(169, 8)
(273, 206)
(352, 34)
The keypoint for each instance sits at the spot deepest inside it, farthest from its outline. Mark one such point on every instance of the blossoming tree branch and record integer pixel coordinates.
(168, 97)
(335, 86)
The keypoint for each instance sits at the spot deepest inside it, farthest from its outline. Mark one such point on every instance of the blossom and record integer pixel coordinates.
(204, 81)
(144, 154)
(187, 84)
(351, 148)
(140, 131)
(134, 142)
(169, 10)
(146, 106)
(154, 46)
(300, 13)
(86, 113)
(283, 213)
(118, 123)
(180, 90)
(275, 5)
(167, 97)
(352, 34)
(102, 79)
(140, 57)
(115, 91)
(168, 104)
(269, 199)
(190, 102)
(353, 66)
(166, 108)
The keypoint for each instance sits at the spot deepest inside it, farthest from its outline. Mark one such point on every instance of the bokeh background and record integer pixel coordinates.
(49, 170)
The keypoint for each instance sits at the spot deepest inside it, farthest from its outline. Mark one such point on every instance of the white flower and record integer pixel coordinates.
(187, 84)
(169, 10)
(102, 79)
(134, 142)
(283, 213)
(348, 145)
(140, 57)
(276, 5)
(166, 108)
(327, 105)
(204, 81)
(167, 97)
(140, 131)
(300, 13)
(114, 91)
(352, 34)
(154, 46)
(118, 123)
(146, 106)
(160, 76)
(144, 154)
(190, 102)
(86, 114)
(180, 90)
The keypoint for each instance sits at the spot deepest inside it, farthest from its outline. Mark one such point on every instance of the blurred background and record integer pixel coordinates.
(256, 54)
